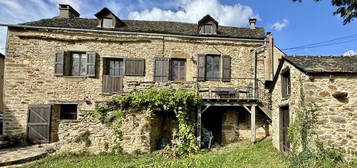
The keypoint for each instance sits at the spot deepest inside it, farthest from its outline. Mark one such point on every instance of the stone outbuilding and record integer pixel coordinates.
(58, 69)
(329, 82)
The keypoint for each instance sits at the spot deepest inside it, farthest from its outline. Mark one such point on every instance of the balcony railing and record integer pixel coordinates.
(237, 88)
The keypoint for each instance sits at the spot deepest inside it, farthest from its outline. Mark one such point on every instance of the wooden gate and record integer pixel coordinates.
(39, 123)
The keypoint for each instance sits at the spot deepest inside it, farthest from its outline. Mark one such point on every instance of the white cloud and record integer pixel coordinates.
(350, 53)
(279, 25)
(193, 10)
(12, 4)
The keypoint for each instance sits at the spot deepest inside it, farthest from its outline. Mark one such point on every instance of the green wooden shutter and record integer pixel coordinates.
(161, 69)
(91, 63)
(201, 67)
(59, 63)
(134, 67)
(226, 68)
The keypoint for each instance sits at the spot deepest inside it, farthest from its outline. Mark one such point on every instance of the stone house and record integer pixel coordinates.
(327, 81)
(58, 69)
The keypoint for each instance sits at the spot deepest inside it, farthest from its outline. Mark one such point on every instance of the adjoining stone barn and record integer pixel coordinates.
(329, 82)
(58, 69)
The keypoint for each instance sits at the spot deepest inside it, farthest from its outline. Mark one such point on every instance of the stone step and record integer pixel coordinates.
(20, 155)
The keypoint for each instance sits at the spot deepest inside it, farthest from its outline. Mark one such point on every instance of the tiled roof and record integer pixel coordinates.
(165, 27)
(324, 64)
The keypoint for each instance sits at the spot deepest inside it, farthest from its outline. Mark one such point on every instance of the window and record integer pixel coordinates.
(178, 71)
(207, 28)
(107, 23)
(69, 63)
(115, 67)
(68, 112)
(285, 83)
(213, 67)
(79, 64)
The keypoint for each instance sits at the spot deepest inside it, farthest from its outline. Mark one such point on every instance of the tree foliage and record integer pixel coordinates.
(347, 9)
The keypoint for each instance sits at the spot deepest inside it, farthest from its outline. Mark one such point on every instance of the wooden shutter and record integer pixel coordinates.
(201, 67)
(226, 68)
(112, 84)
(162, 69)
(59, 63)
(91, 70)
(134, 67)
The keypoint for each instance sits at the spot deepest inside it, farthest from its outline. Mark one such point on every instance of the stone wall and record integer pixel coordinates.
(336, 121)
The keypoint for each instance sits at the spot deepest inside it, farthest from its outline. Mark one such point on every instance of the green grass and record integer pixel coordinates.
(238, 155)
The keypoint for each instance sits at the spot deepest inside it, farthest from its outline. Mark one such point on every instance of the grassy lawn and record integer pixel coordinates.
(238, 155)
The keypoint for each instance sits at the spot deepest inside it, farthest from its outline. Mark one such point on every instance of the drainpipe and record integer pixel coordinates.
(255, 68)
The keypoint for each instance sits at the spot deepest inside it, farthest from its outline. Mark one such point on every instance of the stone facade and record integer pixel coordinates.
(29, 75)
(336, 120)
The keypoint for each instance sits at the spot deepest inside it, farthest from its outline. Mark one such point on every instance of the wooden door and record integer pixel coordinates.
(39, 123)
(284, 124)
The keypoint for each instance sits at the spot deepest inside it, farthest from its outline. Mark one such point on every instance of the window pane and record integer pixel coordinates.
(208, 28)
(116, 67)
(75, 64)
(83, 70)
(213, 67)
(108, 23)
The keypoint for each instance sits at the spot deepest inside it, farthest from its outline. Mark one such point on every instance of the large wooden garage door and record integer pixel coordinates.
(39, 122)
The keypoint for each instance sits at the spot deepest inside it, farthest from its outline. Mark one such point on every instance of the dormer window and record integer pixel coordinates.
(107, 19)
(208, 28)
(207, 25)
(107, 23)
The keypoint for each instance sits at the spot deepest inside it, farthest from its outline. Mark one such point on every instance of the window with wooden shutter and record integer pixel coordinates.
(201, 66)
(226, 64)
(59, 63)
(91, 70)
(134, 67)
(161, 69)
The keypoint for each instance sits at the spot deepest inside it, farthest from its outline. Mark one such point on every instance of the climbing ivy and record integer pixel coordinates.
(154, 102)
(301, 129)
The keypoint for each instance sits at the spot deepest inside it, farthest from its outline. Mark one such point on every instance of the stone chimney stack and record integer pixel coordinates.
(252, 22)
(269, 58)
(66, 11)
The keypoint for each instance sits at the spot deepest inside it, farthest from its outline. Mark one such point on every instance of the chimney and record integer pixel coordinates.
(252, 22)
(66, 11)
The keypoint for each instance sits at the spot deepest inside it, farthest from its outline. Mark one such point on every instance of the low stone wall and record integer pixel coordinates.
(102, 137)
(140, 133)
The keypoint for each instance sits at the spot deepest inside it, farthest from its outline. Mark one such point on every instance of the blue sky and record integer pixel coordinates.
(292, 24)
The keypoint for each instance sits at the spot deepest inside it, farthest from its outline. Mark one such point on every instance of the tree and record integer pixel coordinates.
(347, 9)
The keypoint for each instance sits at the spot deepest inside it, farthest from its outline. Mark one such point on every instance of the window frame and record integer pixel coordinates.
(178, 67)
(79, 65)
(210, 28)
(285, 83)
(64, 115)
(107, 18)
(207, 78)
(108, 60)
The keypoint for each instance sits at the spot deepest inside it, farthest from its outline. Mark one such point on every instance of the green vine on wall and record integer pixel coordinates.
(301, 130)
(156, 101)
